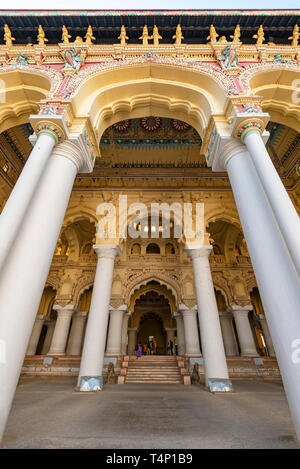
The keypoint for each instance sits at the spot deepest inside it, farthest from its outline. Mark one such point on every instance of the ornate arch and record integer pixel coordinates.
(160, 289)
(142, 279)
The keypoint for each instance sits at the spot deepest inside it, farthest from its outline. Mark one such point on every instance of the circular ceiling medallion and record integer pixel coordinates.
(179, 126)
(151, 123)
(121, 126)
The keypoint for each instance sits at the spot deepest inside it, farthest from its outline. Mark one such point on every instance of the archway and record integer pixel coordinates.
(152, 307)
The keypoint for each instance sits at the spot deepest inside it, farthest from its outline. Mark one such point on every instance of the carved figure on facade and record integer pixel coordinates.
(89, 35)
(123, 38)
(72, 58)
(260, 36)
(41, 36)
(295, 36)
(212, 34)
(279, 60)
(145, 36)
(22, 60)
(229, 58)
(156, 36)
(178, 35)
(236, 35)
(8, 38)
(65, 35)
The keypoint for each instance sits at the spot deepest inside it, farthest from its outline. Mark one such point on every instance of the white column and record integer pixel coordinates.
(244, 331)
(115, 331)
(229, 339)
(267, 335)
(124, 333)
(132, 340)
(283, 208)
(91, 368)
(76, 334)
(276, 276)
(214, 358)
(170, 336)
(192, 345)
(28, 265)
(35, 335)
(14, 210)
(180, 334)
(61, 331)
(49, 335)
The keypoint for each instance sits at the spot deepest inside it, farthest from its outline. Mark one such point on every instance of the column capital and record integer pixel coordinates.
(54, 126)
(107, 251)
(170, 329)
(81, 314)
(237, 309)
(72, 152)
(185, 311)
(64, 311)
(195, 251)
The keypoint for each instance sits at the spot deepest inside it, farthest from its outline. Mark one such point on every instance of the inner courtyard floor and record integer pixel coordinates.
(46, 413)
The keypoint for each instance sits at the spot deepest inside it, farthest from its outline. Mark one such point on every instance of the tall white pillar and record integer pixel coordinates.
(14, 210)
(124, 333)
(76, 334)
(229, 339)
(283, 208)
(132, 340)
(61, 331)
(180, 334)
(170, 336)
(28, 265)
(35, 335)
(115, 331)
(91, 368)
(267, 336)
(215, 365)
(275, 272)
(192, 344)
(244, 331)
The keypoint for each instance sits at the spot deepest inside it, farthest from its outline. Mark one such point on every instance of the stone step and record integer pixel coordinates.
(161, 381)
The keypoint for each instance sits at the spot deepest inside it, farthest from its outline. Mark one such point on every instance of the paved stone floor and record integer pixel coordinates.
(47, 414)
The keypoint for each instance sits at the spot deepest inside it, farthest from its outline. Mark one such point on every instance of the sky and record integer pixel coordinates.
(150, 4)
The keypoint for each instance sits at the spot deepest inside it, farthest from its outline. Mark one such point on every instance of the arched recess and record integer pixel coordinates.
(279, 87)
(160, 289)
(20, 92)
(137, 282)
(146, 89)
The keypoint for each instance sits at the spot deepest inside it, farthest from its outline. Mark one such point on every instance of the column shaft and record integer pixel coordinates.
(283, 208)
(192, 345)
(229, 340)
(61, 331)
(180, 334)
(267, 336)
(115, 332)
(76, 334)
(124, 334)
(275, 273)
(28, 265)
(91, 368)
(132, 340)
(14, 210)
(215, 364)
(35, 335)
(246, 339)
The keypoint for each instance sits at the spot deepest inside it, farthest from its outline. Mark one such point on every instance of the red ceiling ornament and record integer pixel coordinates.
(179, 126)
(151, 123)
(122, 126)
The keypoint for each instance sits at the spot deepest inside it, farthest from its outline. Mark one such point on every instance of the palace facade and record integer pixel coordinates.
(190, 108)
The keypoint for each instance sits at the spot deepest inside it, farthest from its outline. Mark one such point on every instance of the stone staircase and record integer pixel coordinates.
(162, 369)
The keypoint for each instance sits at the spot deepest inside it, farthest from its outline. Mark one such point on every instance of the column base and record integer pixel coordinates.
(219, 385)
(91, 383)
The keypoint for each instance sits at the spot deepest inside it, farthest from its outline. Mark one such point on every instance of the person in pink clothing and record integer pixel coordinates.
(139, 351)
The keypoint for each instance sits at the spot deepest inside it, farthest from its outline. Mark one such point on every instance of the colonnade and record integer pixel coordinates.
(33, 217)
